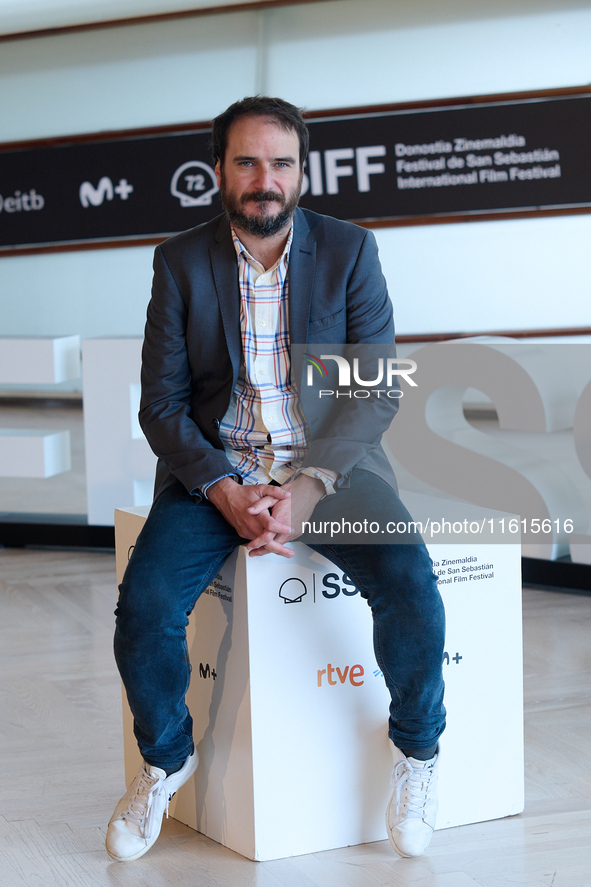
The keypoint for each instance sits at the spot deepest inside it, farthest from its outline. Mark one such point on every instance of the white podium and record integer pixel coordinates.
(290, 709)
(34, 452)
(41, 360)
(119, 462)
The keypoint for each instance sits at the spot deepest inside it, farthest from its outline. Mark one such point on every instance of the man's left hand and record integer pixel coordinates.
(306, 493)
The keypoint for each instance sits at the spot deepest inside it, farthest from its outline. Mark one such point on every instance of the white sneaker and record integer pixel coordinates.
(412, 810)
(137, 819)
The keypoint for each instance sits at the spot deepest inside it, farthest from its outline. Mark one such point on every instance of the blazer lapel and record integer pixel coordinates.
(225, 276)
(302, 264)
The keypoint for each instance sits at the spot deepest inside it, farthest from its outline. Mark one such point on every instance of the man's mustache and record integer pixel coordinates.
(263, 197)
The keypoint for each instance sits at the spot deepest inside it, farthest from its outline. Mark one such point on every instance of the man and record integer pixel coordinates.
(239, 462)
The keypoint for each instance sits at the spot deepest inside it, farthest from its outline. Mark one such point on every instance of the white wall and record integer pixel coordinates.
(480, 276)
(93, 293)
(485, 276)
(31, 15)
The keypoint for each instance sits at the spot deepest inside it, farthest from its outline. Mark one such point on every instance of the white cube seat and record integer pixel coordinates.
(292, 762)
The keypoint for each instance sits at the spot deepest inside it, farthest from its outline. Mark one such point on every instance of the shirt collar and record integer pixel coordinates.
(241, 251)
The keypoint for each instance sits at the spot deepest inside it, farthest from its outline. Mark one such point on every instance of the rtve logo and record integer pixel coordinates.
(354, 673)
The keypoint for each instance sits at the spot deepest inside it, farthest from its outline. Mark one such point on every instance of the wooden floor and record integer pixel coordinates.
(62, 766)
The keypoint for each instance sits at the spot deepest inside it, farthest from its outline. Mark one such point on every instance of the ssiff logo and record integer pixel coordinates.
(194, 183)
(293, 590)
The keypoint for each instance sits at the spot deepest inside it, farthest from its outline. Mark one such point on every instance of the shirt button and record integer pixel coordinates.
(216, 423)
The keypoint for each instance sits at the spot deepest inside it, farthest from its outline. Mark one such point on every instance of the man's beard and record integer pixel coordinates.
(261, 225)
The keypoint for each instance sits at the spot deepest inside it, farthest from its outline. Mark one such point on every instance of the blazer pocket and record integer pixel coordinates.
(327, 323)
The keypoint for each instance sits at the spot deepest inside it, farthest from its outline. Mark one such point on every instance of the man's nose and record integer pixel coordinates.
(264, 180)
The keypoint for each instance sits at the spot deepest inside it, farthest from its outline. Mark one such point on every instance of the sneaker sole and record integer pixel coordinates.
(132, 858)
(408, 855)
(174, 787)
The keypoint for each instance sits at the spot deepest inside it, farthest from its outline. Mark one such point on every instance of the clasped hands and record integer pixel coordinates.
(268, 516)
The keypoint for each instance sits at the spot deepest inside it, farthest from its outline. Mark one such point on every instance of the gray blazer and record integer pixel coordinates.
(192, 349)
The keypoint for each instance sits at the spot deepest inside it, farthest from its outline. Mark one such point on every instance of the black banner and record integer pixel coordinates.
(422, 164)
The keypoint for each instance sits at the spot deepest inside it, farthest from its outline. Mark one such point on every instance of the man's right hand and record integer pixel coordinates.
(233, 500)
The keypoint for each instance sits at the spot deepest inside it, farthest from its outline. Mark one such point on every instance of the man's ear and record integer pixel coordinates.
(218, 173)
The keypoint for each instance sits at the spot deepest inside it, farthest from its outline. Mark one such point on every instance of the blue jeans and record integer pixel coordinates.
(181, 548)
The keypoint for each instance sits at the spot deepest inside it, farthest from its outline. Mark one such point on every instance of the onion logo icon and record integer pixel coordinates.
(194, 183)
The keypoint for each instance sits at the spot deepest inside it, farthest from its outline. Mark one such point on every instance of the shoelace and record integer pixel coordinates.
(141, 806)
(413, 787)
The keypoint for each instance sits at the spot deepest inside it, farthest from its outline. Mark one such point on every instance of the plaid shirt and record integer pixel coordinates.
(264, 430)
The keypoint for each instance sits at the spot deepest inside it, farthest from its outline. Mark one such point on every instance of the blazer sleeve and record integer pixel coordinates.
(165, 408)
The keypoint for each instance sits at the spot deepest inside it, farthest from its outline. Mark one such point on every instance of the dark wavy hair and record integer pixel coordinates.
(287, 116)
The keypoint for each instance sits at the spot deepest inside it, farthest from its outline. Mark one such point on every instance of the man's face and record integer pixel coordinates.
(260, 179)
